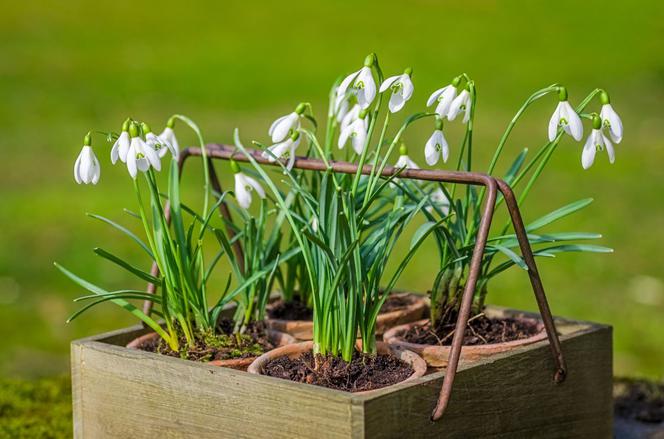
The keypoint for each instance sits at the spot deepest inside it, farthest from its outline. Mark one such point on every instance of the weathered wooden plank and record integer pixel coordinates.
(510, 396)
(126, 393)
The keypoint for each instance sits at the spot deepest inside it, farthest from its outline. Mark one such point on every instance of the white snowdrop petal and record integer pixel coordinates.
(434, 96)
(388, 83)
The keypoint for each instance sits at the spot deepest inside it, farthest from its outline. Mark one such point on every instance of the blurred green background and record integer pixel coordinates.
(75, 66)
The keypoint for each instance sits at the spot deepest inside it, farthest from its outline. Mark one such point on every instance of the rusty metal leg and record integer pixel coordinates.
(467, 300)
(535, 281)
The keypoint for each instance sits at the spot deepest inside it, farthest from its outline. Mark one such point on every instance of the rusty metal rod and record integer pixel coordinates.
(217, 151)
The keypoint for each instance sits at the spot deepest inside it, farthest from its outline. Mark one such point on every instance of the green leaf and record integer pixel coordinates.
(120, 302)
(558, 214)
(510, 254)
(421, 231)
(127, 266)
(125, 231)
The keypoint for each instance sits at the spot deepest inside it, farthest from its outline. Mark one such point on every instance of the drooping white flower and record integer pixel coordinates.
(168, 136)
(350, 117)
(86, 167)
(436, 145)
(440, 200)
(285, 148)
(461, 103)
(361, 84)
(610, 118)
(565, 116)
(444, 96)
(140, 156)
(402, 90)
(121, 145)
(281, 127)
(404, 161)
(596, 141)
(356, 131)
(244, 185)
(158, 143)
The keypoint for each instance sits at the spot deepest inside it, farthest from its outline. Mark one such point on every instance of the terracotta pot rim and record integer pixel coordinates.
(394, 336)
(303, 329)
(416, 362)
(233, 363)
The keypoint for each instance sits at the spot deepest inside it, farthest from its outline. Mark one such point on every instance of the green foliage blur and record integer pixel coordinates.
(70, 67)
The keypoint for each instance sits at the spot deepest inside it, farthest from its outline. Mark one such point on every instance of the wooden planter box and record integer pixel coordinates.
(123, 393)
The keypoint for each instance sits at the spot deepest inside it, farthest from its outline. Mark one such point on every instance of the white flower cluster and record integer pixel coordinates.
(139, 148)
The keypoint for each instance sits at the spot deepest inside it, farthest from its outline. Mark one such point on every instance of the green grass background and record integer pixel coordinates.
(72, 66)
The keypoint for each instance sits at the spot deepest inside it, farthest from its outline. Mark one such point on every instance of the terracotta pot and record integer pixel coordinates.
(295, 350)
(276, 337)
(437, 356)
(304, 329)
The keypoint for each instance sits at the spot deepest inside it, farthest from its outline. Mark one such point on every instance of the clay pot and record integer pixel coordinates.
(437, 356)
(304, 329)
(276, 337)
(294, 350)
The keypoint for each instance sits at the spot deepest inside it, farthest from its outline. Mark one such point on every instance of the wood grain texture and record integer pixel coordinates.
(122, 393)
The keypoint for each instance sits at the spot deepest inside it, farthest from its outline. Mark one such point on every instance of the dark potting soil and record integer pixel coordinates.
(296, 310)
(639, 400)
(224, 345)
(364, 372)
(291, 310)
(480, 330)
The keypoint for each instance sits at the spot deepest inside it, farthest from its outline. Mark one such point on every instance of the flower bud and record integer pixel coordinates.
(363, 113)
(133, 129)
(439, 123)
(145, 128)
(597, 121)
(87, 140)
(125, 124)
(403, 150)
(604, 98)
(370, 60)
(408, 71)
(456, 81)
(562, 94)
(234, 166)
(171, 123)
(299, 110)
(295, 135)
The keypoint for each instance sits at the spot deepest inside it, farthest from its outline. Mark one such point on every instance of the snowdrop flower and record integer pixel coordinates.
(356, 131)
(121, 145)
(444, 96)
(284, 149)
(281, 127)
(459, 104)
(168, 136)
(402, 89)
(244, 185)
(404, 161)
(86, 167)
(157, 143)
(596, 141)
(440, 200)
(140, 156)
(436, 144)
(565, 116)
(350, 117)
(361, 83)
(610, 118)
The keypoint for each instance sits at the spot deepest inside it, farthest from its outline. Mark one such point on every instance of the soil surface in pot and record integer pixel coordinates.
(221, 346)
(296, 310)
(639, 400)
(364, 372)
(480, 330)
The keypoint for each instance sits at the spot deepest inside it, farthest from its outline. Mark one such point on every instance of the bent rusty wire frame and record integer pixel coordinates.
(492, 185)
